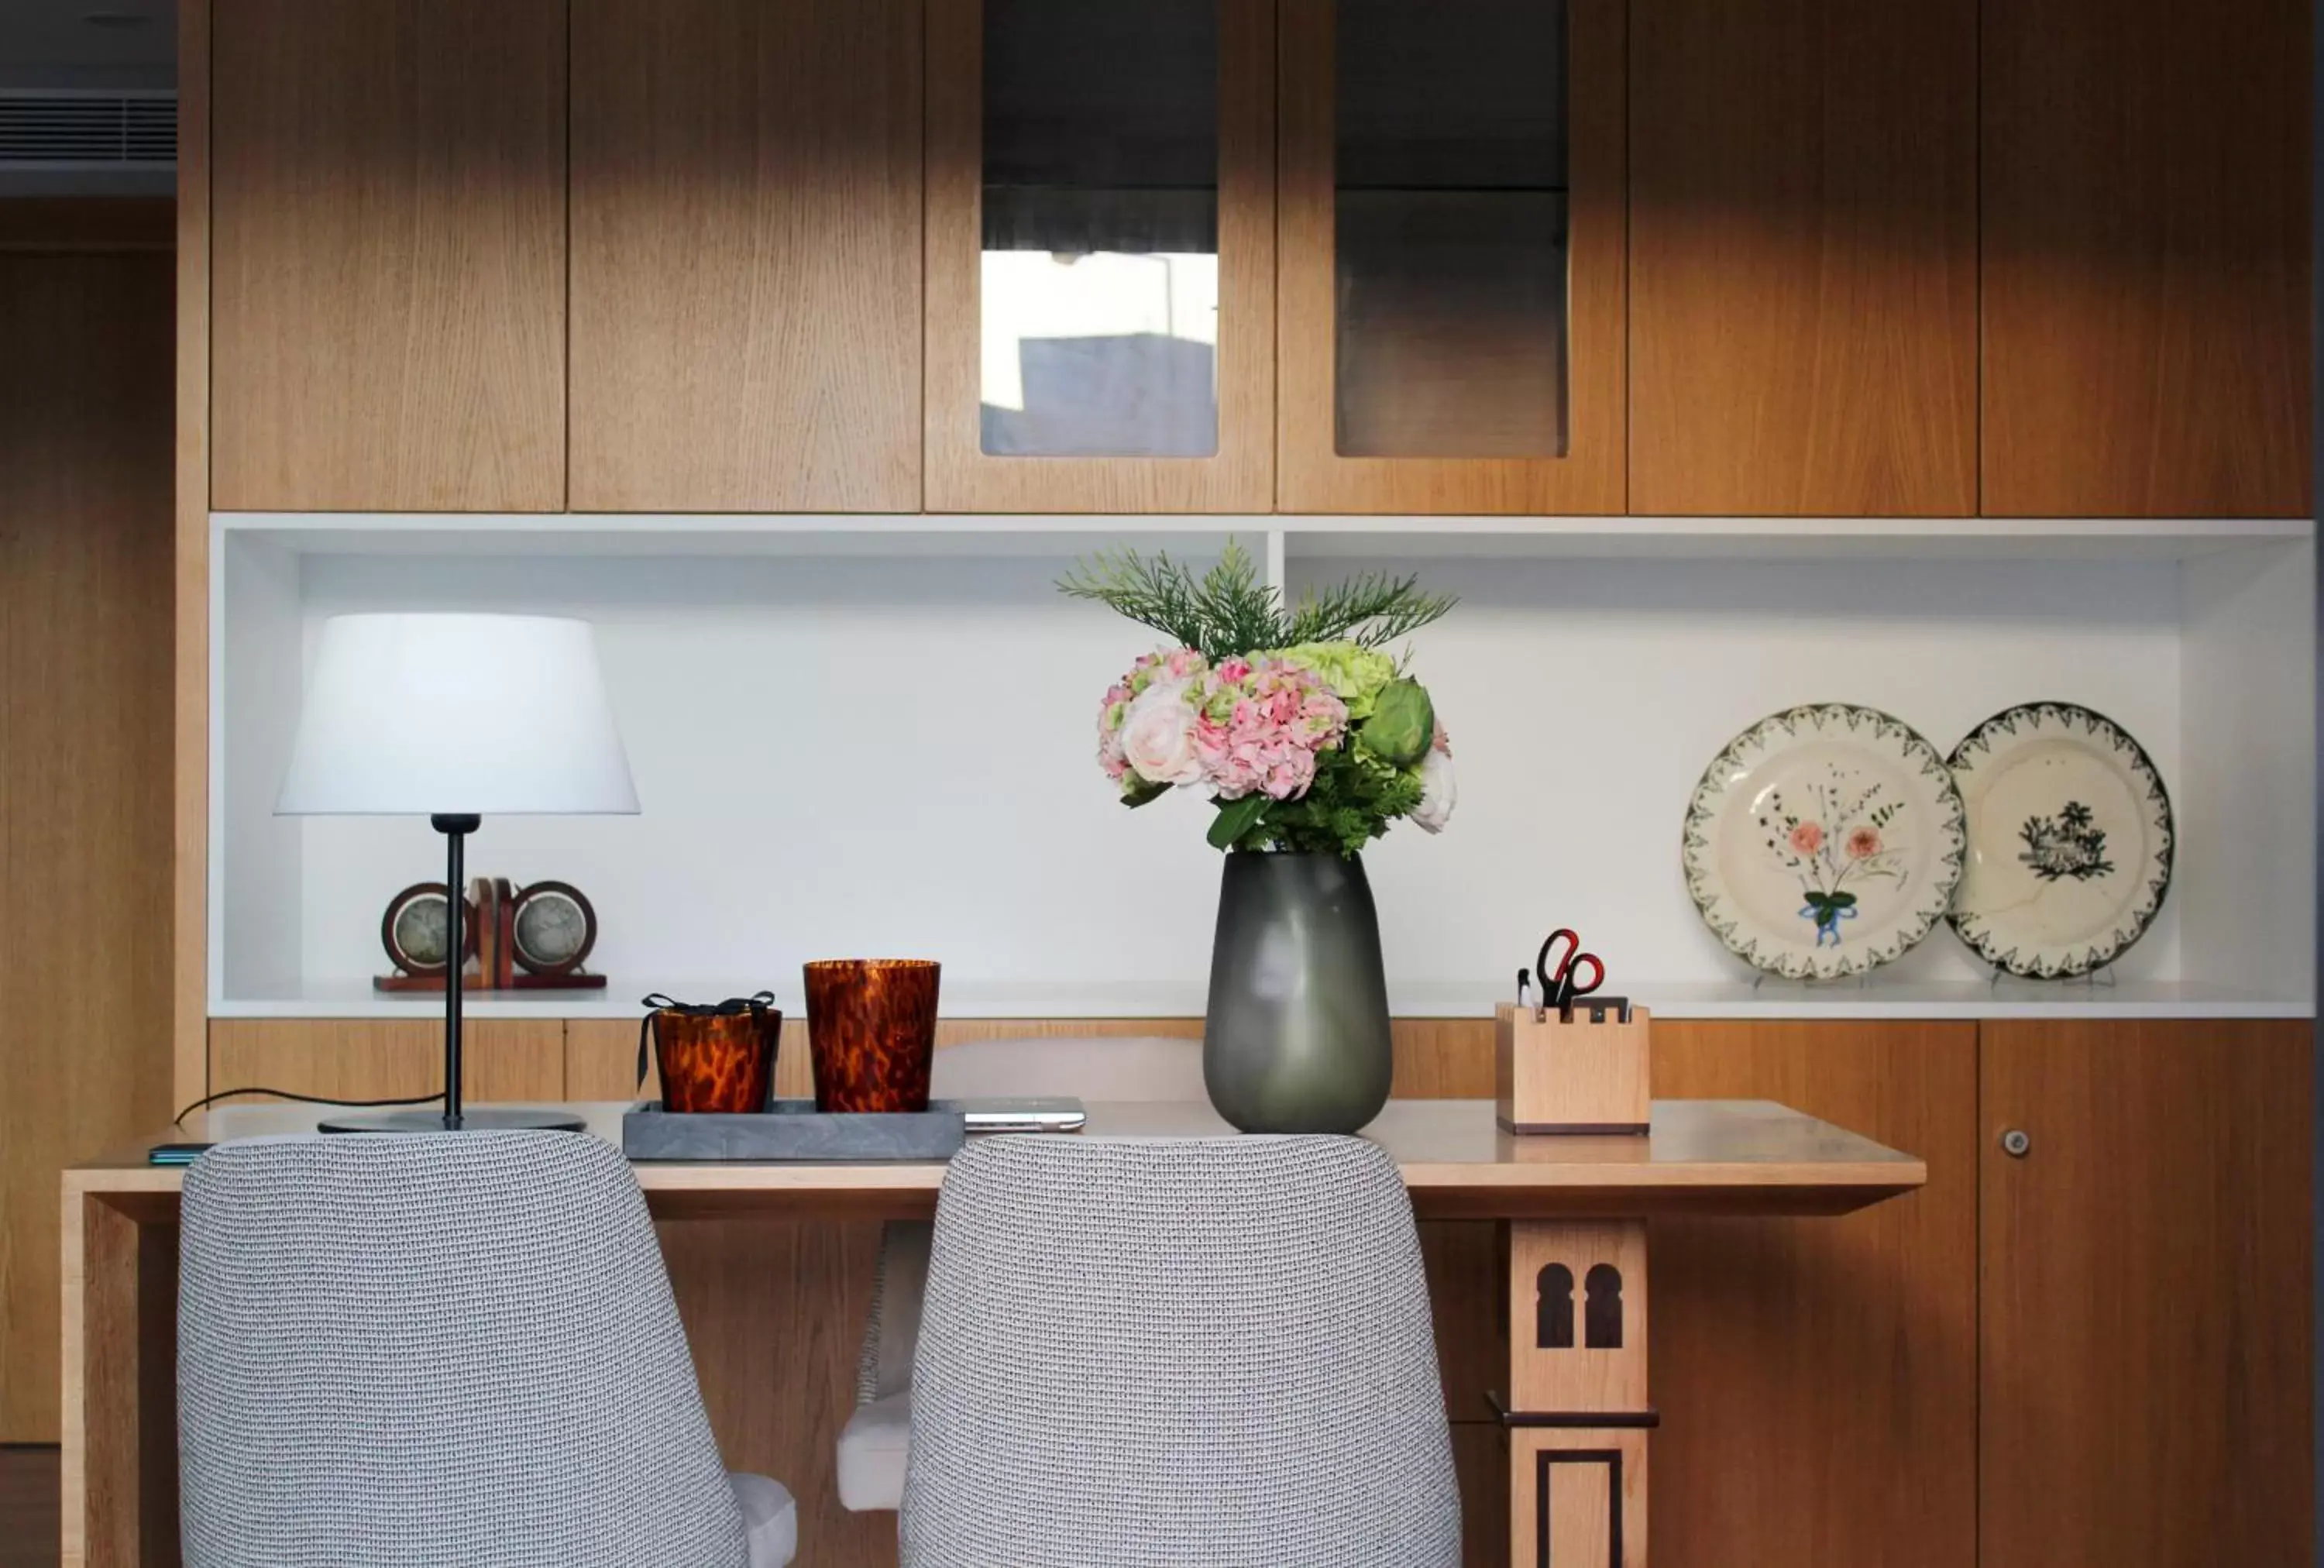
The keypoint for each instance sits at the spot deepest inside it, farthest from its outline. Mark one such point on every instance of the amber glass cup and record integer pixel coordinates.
(718, 1058)
(871, 1032)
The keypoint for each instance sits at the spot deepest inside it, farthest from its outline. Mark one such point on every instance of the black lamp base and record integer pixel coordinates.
(493, 1118)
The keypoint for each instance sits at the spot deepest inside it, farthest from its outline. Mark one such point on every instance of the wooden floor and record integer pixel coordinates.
(28, 1507)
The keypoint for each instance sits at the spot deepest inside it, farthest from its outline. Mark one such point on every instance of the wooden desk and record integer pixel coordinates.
(1577, 1208)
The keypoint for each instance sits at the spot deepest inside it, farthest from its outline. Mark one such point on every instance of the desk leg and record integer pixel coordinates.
(1577, 1407)
(120, 1458)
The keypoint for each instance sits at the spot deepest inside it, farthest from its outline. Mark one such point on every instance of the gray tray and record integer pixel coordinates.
(793, 1129)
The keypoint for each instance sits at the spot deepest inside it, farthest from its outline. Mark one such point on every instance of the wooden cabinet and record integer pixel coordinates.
(2145, 181)
(2145, 1382)
(1803, 258)
(388, 1058)
(85, 629)
(1819, 1377)
(1451, 335)
(746, 256)
(388, 254)
(1100, 256)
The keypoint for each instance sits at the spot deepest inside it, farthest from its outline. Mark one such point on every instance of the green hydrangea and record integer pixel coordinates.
(1355, 674)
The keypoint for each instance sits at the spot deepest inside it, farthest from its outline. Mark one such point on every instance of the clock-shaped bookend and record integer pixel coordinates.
(531, 939)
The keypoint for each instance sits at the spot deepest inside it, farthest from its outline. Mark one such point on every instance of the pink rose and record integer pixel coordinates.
(1808, 838)
(1159, 740)
(1863, 843)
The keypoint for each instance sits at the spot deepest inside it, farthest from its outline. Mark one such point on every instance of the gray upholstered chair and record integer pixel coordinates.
(1150, 1352)
(443, 1349)
(878, 1437)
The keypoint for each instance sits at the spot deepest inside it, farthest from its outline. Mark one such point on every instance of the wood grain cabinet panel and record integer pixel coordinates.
(501, 1059)
(388, 256)
(1094, 156)
(1818, 1376)
(2146, 1351)
(746, 255)
(84, 551)
(1430, 343)
(2145, 168)
(1803, 257)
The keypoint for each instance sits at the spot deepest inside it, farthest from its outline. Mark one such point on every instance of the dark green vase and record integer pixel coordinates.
(1296, 1038)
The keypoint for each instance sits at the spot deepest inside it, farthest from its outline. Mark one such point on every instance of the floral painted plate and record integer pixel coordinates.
(2070, 841)
(1824, 841)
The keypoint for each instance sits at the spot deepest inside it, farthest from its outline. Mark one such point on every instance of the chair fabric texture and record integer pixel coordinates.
(441, 1349)
(1147, 1352)
(877, 1436)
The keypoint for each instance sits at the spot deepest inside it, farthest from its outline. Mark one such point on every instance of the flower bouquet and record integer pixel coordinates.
(1307, 740)
(1291, 720)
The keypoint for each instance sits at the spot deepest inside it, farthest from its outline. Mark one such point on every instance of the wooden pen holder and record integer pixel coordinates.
(1576, 1074)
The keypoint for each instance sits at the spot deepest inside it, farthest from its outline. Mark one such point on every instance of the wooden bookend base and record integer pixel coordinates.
(1570, 1074)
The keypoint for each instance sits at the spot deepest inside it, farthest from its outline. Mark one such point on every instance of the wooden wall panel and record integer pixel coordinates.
(1311, 474)
(746, 256)
(2145, 1363)
(1241, 478)
(85, 799)
(382, 1058)
(190, 825)
(2146, 170)
(388, 226)
(1803, 257)
(1818, 1376)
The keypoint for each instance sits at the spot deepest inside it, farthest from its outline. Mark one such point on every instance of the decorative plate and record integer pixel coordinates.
(1824, 841)
(2070, 841)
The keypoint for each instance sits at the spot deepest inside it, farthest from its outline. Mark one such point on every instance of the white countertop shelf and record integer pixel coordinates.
(1874, 999)
(1301, 537)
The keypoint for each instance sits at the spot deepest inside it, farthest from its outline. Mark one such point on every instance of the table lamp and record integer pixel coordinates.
(455, 718)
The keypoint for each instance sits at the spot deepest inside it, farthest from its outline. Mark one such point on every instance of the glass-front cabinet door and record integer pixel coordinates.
(1451, 331)
(1100, 256)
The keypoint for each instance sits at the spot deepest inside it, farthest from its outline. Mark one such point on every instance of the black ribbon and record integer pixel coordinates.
(757, 1005)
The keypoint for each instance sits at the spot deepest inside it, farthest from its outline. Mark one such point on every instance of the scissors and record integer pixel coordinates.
(1561, 986)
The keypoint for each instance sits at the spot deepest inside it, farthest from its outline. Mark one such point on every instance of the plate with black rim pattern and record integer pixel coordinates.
(1824, 841)
(2071, 839)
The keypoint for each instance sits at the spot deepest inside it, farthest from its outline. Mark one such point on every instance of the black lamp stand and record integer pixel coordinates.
(455, 826)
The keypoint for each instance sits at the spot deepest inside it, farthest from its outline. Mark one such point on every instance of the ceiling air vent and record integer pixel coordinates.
(64, 129)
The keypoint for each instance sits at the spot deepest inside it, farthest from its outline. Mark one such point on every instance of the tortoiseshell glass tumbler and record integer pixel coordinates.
(715, 1059)
(871, 1032)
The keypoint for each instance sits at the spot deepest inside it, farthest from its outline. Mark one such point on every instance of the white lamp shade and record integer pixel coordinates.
(489, 714)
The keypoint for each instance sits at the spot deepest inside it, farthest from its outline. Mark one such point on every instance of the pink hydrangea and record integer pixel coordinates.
(1259, 726)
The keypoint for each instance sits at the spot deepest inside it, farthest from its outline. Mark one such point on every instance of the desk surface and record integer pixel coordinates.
(1703, 1156)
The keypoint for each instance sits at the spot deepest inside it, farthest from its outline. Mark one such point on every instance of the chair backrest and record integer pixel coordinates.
(436, 1349)
(1211, 1351)
(1086, 1067)
(1130, 1067)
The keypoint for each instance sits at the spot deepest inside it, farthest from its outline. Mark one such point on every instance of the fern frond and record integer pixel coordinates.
(1367, 611)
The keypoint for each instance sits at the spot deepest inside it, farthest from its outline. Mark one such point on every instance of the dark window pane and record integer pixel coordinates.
(1452, 226)
(1099, 277)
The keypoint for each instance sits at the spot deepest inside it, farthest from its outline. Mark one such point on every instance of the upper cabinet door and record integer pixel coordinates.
(1803, 257)
(387, 255)
(2146, 258)
(1100, 256)
(746, 255)
(1452, 336)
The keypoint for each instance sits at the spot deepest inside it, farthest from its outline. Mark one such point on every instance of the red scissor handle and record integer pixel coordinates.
(1564, 981)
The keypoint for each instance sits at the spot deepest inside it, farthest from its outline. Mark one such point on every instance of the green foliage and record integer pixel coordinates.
(1228, 611)
(1355, 796)
(1367, 611)
(1225, 612)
